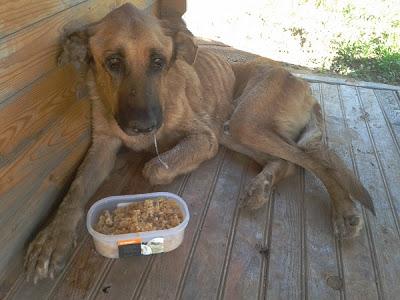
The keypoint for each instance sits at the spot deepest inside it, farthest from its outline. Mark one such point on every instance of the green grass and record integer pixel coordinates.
(355, 38)
(372, 60)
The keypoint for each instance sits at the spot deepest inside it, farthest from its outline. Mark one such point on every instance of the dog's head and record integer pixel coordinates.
(130, 53)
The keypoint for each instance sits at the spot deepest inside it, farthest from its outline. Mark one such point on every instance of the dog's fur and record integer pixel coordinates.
(147, 77)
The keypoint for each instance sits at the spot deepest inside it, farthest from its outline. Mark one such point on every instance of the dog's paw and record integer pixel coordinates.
(48, 252)
(347, 224)
(157, 173)
(258, 192)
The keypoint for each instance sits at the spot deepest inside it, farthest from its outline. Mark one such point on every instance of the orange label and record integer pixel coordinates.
(130, 242)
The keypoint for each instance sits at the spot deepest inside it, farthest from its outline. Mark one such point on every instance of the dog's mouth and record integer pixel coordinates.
(139, 129)
(137, 132)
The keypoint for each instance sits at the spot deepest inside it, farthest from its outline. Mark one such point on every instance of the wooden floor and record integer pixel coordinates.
(286, 250)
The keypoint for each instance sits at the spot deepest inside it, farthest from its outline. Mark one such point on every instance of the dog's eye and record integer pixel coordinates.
(114, 63)
(157, 63)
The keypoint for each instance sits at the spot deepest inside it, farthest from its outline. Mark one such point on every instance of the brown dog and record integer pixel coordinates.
(148, 80)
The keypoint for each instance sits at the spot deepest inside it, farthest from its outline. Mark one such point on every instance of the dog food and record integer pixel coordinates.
(148, 215)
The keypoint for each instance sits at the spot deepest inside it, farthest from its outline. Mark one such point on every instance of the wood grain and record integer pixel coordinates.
(358, 265)
(26, 116)
(322, 258)
(303, 252)
(372, 170)
(16, 15)
(30, 186)
(125, 166)
(32, 52)
(387, 140)
(167, 269)
(79, 285)
(206, 263)
(44, 196)
(244, 273)
(20, 177)
(284, 274)
(89, 282)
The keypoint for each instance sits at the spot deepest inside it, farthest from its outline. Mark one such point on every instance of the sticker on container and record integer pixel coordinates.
(153, 246)
(135, 247)
(130, 247)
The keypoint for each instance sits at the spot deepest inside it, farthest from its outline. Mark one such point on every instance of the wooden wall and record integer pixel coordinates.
(44, 116)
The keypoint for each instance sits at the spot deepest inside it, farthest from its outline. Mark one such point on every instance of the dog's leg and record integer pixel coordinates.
(183, 158)
(347, 218)
(259, 190)
(340, 183)
(48, 252)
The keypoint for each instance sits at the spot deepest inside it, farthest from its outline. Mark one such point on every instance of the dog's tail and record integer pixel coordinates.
(311, 142)
(310, 153)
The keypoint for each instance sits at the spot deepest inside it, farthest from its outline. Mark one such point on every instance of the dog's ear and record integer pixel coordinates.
(75, 49)
(184, 45)
(174, 26)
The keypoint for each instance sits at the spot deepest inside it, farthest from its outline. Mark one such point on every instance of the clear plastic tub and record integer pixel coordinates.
(141, 243)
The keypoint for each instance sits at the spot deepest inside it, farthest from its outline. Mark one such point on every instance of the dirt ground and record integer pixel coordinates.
(302, 33)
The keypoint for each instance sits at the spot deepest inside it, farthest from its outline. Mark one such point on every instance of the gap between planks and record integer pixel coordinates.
(232, 232)
(145, 275)
(40, 20)
(365, 216)
(338, 243)
(200, 226)
(263, 281)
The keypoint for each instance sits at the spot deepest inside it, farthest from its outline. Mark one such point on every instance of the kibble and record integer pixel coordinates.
(148, 215)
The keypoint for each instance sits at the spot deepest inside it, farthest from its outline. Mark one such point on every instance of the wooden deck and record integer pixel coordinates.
(286, 250)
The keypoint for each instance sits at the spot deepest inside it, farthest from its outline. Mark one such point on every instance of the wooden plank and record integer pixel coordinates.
(166, 268)
(244, 274)
(23, 176)
(34, 168)
(232, 231)
(91, 282)
(284, 274)
(82, 276)
(386, 149)
(16, 15)
(125, 166)
(205, 263)
(345, 81)
(26, 116)
(118, 278)
(358, 267)
(32, 52)
(371, 169)
(51, 188)
(323, 259)
(389, 104)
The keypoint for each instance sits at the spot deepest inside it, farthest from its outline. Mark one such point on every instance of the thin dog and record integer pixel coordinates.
(150, 84)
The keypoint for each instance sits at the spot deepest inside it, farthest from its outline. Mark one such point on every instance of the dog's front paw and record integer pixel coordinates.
(158, 173)
(48, 252)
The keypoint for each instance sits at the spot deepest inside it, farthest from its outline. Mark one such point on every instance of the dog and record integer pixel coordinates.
(150, 85)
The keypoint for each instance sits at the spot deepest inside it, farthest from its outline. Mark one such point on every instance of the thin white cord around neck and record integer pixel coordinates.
(158, 154)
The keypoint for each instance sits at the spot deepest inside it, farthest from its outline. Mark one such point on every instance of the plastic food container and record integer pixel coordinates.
(140, 243)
